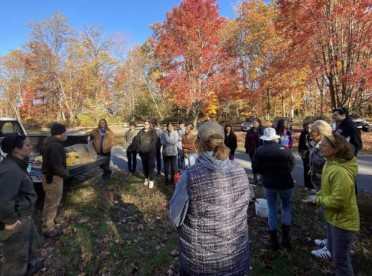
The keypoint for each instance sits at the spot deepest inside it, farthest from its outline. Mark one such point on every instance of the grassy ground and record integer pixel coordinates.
(121, 228)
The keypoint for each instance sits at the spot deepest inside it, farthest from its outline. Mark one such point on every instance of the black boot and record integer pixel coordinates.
(172, 179)
(286, 240)
(274, 240)
(166, 181)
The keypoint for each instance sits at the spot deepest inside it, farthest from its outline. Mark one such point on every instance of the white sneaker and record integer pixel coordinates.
(146, 182)
(320, 242)
(322, 253)
(151, 185)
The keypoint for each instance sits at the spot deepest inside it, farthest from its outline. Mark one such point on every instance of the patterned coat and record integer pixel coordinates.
(214, 235)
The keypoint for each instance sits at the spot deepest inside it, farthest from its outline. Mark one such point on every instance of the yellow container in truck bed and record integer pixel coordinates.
(72, 159)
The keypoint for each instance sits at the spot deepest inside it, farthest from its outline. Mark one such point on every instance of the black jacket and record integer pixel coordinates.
(54, 158)
(275, 162)
(348, 129)
(304, 145)
(17, 196)
(231, 142)
(147, 141)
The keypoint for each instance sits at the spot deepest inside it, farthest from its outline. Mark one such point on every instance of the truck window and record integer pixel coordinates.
(9, 128)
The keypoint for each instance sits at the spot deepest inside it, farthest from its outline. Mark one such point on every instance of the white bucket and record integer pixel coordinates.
(261, 207)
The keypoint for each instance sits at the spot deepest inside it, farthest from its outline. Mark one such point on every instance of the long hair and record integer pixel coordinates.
(231, 129)
(106, 126)
(258, 121)
(152, 127)
(343, 148)
(280, 127)
(215, 143)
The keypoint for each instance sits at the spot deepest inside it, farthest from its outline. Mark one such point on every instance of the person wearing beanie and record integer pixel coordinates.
(54, 169)
(209, 210)
(18, 233)
(103, 140)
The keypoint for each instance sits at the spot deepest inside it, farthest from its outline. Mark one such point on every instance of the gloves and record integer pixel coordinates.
(310, 199)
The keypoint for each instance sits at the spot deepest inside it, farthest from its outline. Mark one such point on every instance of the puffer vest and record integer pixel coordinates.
(214, 235)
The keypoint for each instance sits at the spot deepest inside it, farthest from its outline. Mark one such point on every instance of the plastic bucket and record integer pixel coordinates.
(261, 207)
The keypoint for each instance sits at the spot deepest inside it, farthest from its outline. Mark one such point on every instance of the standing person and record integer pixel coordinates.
(209, 209)
(189, 146)
(181, 131)
(338, 200)
(285, 134)
(169, 140)
(304, 147)
(131, 145)
(103, 140)
(54, 169)
(318, 130)
(275, 162)
(18, 235)
(159, 131)
(252, 142)
(346, 127)
(230, 140)
(146, 139)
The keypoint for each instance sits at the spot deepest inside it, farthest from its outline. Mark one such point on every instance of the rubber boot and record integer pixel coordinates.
(172, 179)
(274, 240)
(286, 240)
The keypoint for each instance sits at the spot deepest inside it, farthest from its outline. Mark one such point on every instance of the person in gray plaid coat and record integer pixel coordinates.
(209, 210)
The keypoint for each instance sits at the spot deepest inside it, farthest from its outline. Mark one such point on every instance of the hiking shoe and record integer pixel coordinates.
(54, 234)
(320, 242)
(322, 253)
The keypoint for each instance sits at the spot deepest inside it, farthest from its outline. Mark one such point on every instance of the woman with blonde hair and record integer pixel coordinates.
(209, 209)
(318, 130)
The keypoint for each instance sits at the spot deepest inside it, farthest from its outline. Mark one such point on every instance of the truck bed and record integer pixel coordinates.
(73, 171)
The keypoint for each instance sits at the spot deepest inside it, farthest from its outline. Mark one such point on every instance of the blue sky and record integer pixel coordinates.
(131, 17)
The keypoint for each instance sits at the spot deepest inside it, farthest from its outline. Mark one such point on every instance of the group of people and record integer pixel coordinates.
(210, 202)
(177, 146)
(211, 198)
(18, 234)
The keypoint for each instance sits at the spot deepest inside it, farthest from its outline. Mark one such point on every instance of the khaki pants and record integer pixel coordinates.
(53, 196)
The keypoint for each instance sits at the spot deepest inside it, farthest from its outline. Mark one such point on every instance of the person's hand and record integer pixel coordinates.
(310, 199)
(12, 226)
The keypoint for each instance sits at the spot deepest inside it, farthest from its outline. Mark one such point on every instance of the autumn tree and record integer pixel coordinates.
(53, 34)
(12, 81)
(137, 90)
(193, 65)
(333, 38)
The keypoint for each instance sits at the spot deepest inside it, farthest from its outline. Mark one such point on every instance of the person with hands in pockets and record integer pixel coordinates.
(18, 235)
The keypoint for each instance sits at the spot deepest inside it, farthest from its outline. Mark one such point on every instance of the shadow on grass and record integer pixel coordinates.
(122, 227)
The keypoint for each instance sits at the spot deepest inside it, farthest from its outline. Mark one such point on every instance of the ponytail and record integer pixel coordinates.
(215, 144)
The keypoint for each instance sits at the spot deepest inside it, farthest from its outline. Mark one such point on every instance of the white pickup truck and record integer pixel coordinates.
(11, 125)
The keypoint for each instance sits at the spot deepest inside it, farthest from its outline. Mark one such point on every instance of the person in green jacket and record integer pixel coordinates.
(338, 199)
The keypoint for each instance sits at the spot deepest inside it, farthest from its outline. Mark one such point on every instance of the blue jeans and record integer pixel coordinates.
(285, 198)
(339, 244)
(180, 160)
